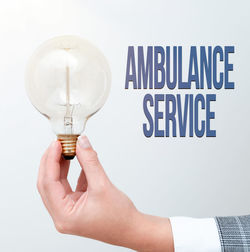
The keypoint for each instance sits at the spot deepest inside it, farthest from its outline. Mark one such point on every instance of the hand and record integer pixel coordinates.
(96, 209)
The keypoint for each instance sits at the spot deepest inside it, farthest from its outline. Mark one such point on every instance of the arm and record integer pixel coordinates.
(97, 209)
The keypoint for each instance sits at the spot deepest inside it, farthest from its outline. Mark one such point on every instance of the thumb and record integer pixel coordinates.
(89, 162)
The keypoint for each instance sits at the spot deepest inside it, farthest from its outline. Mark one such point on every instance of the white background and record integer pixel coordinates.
(163, 176)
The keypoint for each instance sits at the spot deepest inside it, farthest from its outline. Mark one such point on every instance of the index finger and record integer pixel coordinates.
(52, 164)
(42, 165)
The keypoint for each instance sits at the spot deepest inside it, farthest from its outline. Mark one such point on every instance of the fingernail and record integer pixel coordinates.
(83, 142)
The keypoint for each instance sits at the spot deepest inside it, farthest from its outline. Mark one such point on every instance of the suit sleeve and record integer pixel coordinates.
(226, 234)
(234, 233)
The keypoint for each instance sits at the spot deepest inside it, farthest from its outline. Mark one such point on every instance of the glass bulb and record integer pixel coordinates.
(68, 80)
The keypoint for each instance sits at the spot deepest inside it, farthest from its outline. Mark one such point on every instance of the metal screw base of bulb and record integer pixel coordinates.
(68, 143)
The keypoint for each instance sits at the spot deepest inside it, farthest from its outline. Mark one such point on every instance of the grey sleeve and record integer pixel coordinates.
(234, 233)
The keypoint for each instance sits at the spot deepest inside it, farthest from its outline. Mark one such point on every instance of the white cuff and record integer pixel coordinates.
(195, 235)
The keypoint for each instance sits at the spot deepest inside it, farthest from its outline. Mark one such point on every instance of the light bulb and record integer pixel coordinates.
(68, 80)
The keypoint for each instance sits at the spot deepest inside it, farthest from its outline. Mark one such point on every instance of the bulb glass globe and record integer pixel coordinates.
(68, 80)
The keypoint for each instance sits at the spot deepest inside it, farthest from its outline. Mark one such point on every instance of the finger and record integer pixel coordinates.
(42, 164)
(82, 184)
(52, 165)
(63, 175)
(89, 162)
(53, 185)
(64, 168)
(76, 196)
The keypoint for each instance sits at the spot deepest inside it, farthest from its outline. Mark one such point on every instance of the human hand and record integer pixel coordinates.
(96, 209)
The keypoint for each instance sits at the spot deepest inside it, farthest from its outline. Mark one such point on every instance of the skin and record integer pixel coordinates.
(97, 209)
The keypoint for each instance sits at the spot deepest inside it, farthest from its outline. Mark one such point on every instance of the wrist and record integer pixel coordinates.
(150, 233)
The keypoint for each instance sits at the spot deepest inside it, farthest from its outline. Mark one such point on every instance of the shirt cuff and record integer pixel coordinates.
(195, 235)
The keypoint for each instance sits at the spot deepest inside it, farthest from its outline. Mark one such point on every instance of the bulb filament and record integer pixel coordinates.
(68, 120)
